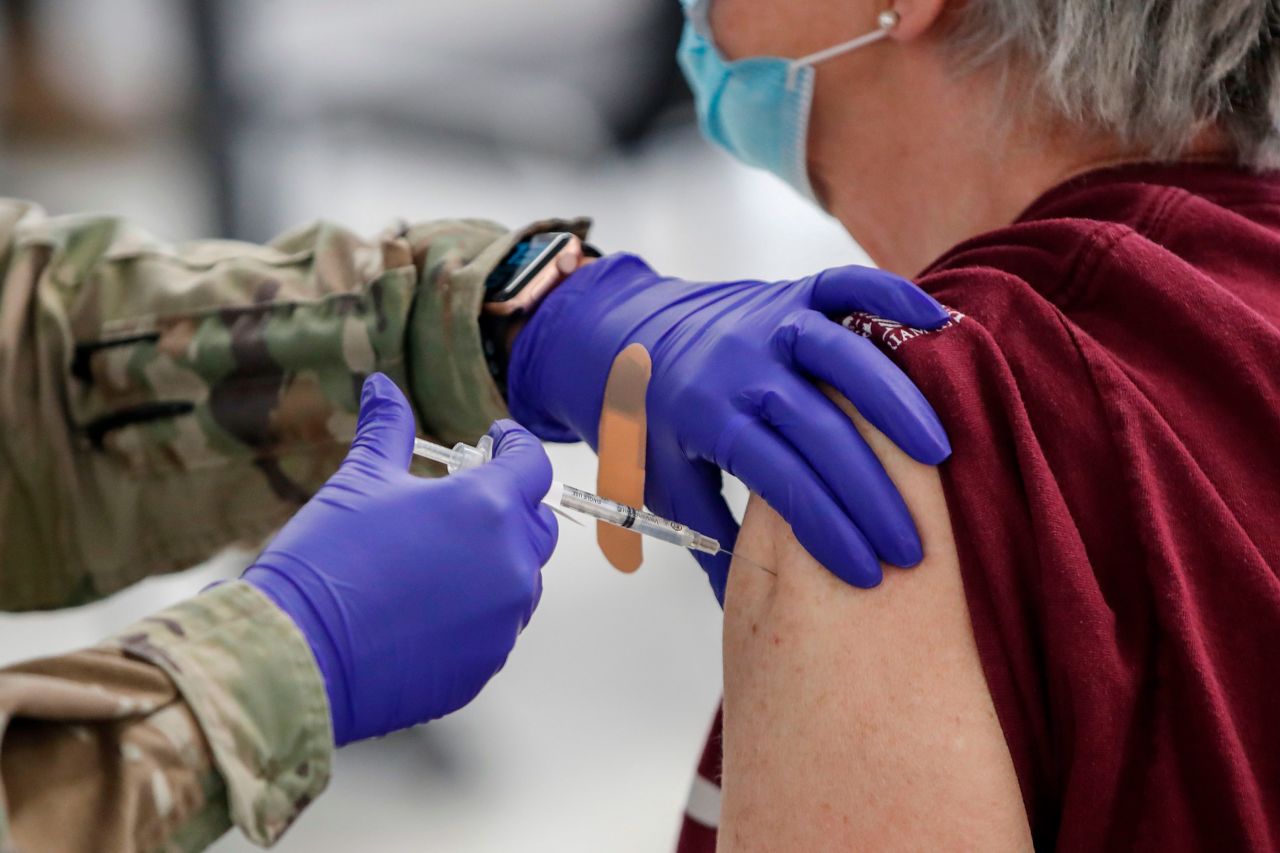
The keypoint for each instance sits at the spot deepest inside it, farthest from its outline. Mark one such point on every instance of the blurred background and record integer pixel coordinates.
(240, 118)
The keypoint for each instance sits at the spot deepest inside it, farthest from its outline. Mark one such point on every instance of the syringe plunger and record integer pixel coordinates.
(462, 457)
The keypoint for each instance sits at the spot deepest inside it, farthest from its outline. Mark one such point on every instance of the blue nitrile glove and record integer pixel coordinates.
(411, 591)
(731, 389)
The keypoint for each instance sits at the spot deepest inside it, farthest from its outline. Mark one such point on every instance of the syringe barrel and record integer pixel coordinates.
(648, 524)
(464, 456)
(644, 523)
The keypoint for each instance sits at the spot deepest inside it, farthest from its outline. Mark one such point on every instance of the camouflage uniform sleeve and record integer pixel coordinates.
(159, 402)
(211, 713)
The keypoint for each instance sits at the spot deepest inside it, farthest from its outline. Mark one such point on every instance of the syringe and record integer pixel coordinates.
(464, 456)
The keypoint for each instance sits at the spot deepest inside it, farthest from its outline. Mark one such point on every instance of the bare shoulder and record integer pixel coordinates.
(860, 719)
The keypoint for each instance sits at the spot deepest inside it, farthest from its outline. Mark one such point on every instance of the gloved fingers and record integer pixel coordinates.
(534, 602)
(386, 427)
(519, 462)
(689, 491)
(544, 530)
(853, 288)
(837, 455)
(877, 387)
(546, 533)
(774, 470)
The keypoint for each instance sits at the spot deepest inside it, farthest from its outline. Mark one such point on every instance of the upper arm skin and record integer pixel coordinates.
(860, 719)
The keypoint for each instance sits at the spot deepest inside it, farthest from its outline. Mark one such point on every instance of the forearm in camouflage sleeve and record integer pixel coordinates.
(158, 402)
(209, 713)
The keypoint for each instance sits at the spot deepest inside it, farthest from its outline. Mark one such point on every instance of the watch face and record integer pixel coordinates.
(523, 264)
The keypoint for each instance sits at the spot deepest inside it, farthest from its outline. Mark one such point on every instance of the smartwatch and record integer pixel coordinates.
(530, 271)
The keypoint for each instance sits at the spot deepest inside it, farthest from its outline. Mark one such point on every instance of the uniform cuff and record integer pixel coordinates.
(455, 395)
(249, 677)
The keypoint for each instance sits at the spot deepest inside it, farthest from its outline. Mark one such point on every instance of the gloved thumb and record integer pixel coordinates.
(520, 459)
(385, 431)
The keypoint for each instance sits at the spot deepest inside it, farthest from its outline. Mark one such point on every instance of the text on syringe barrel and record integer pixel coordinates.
(626, 517)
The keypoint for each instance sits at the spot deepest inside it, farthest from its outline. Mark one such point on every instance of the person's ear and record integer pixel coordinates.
(915, 18)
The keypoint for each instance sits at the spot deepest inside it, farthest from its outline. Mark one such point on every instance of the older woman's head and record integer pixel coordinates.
(971, 108)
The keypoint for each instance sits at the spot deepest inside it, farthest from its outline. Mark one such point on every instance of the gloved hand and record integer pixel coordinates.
(732, 390)
(410, 591)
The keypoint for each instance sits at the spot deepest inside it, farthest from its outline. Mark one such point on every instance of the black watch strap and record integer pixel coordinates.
(494, 329)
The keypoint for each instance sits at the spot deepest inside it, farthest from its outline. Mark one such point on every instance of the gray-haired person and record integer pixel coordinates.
(1085, 659)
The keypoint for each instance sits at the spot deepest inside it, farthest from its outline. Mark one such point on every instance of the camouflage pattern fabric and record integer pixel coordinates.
(210, 713)
(159, 402)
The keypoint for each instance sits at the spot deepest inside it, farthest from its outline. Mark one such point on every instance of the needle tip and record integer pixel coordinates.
(751, 562)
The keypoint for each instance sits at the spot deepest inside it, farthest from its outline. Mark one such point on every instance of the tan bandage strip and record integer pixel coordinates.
(623, 433)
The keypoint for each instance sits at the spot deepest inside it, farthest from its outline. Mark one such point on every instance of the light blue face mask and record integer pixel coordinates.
(758, 109)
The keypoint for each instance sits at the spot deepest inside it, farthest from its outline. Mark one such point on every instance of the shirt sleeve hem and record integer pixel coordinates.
(252, 683)
(455, 394)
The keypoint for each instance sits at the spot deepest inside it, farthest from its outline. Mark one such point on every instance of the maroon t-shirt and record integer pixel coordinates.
(1111, 386)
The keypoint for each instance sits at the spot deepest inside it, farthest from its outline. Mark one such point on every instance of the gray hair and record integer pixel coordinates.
(1153, 73)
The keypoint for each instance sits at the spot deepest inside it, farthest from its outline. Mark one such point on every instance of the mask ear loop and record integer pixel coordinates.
(889, 20)
(699, 14)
